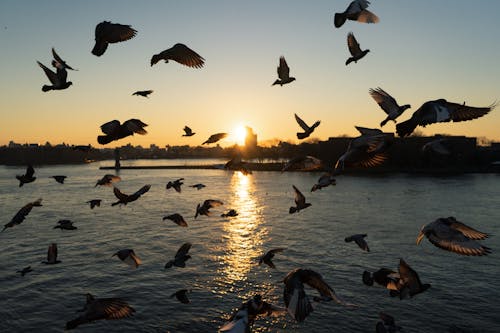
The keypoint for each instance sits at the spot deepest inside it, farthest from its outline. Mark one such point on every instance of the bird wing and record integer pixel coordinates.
(466, 230)
(283, 69)
(296, 300)
(183, 55)
(460, 112)
(52, 253)
(121, 196)
(142, 190)
(53, 77)
(409, 277)
(115, 308)
(114, 32)
(280, 249)
(384, 100)
(353, 44)
(110, 127)
(368, 131)
(315, 280)
(188, 130)
(30, 171)
(458, 243)
(361, 242)
(211, 203)
(135, 126)
(183, 250)
(356, 6)
(300, 199)
(365, 16)
(301, 123)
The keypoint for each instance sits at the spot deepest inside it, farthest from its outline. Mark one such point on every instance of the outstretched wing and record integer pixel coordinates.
(183, 250)
(110, 126)
(114, 32)
(301, 123)
(121, 196)
(135, 126)
(300, 199)
(384, 100)
(53, 77)
(466, 230)
(142, 190)
(461, 112)
(353, 44)
(283, 69)
(115, 308)
(183, 55)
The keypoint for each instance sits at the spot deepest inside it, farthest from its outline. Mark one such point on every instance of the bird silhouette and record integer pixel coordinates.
(205, 207)
(300, 202)
(356, 12)
(59, 179)
(188, 131)
(388, 104)
(325, 180)
(283, 73)
(25, 271)
(266, 258)
(59, 63)
(214, 138)
(52, 255)
(438, 111)
(129, 257)
(116, 131)
(94, 202)
(198, 186)
(180, 257)
(57, 78)
(65, 225)
(108, 180)
(125, 199)
(452, 235)
(354, 49)
(176, 184)
(230, 213)
(27, 177)
(360, 240)
(101, 308)
(177, 219)
(307, 129)
(181, 296)
(22, 213)
(180, 53)
(108, 33)
(143, 93)
(409, 281)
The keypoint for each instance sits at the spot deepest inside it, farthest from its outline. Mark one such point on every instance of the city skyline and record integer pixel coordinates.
(419, 52)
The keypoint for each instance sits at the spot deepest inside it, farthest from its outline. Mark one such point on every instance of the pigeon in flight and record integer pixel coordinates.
(354, 49)
(188, 131)
(176, 184)
(325, 180)
(129, 257)
(300, 201)
(25, 271)
(356, 12)
(360, 240)
(198, 186)
(177, 219)
(230, 213)
(266, 258)
(65, 225)
(181, 296)
(125, 199)
(94, 202)
(439, 111)
(116, 131)
(307, 129)
(143, 93)
(283, 73)
(21, 214)
(108, 180)
(180, 257)
(214, 138)
(107, 32)
(101, 308)
(181, 54)
(59, 179)
(58, 78)
(207, 204)
(52, 255)
(27, 177)
(388, 104)
(409, 281)
(452, 235)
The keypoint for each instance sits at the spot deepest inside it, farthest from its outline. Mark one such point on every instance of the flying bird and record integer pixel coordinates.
(52, 255)
(266, 258)
(356, 12)
(230, 213)
(143, 93)
(296, 300)
(283, 73)
(94, 202)
(59, 179)
(21, 214)
(180, 257)
(57, 78)
(176, 184)
(303, 163)
(360, 240)
(107, 32)
(101, 308)
(409, 281)
(214, 138)
(452, 235)
(237, 164)
(129, 257)
(198, 186)
(388, 104)
(307, 129)
(325, 180)
(180, 53)
(116, 131)
(27, 177)
(108, 180)
(59, 63)
(65, 225)
(387, 324)
(25, 271)
(300, 201)
(439, 111)
(188, 131)
(177, 219)
(354, 49)
(125, 199)
(181, 296)
(205, 207)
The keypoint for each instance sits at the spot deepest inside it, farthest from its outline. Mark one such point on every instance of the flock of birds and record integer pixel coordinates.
(368, 149)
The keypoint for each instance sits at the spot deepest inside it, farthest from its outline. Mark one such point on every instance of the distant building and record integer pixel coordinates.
(250, 139)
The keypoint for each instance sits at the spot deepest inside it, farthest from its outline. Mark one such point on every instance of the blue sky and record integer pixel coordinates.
(420, 50)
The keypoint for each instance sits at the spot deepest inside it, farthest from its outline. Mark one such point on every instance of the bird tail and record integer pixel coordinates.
(339, 19)
(384, 122)
(99, 48)
(46, 88)
(406, 127)
(116, 203)
(169, 264)
(349, 61)
(302, 135)
(293, 210)
(104, 139)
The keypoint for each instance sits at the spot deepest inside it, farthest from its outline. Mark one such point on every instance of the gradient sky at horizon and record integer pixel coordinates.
(420, 50)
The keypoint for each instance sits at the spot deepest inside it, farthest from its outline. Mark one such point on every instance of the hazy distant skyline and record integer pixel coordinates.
(420, 51)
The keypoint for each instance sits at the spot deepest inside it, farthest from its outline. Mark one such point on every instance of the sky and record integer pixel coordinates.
(419, 51)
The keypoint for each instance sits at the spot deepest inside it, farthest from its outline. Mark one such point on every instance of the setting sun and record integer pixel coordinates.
(239, 134)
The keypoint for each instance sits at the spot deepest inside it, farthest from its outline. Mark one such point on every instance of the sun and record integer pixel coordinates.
(239, 134)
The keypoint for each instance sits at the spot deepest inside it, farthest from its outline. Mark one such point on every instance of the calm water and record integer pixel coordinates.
(222, 272)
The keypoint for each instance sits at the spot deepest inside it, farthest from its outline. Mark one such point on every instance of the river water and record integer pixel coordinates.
(223, 271)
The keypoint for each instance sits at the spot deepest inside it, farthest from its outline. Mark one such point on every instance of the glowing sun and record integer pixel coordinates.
(239, 135)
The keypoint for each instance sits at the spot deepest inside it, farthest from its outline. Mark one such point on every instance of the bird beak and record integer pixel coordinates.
(420, 237)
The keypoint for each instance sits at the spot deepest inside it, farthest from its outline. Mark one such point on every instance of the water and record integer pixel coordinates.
(223, 271)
